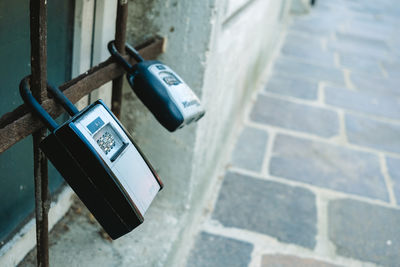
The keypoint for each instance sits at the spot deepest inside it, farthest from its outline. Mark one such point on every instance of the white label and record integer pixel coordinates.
(184, 98)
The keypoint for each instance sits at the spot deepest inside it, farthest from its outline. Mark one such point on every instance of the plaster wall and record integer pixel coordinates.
(300, 6)
(220, 48)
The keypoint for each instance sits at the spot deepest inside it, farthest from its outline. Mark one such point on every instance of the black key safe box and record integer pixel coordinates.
(100, 161)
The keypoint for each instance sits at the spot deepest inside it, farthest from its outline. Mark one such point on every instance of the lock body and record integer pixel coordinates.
(160, 89)
(165, 94)
(102, 164)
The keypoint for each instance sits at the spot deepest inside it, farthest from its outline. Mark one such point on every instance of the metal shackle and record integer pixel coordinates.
(61, 99)
(121, 60)
(38, 110)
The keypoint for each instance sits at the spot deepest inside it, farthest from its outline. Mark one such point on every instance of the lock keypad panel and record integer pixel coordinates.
(113, 145)
(106, 142)
(109, 141)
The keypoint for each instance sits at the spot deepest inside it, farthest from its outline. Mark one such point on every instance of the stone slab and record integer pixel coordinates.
(364, 231)
(393, 166)
(313, 42)
(366, 102)
(215, 251)
(355, 48)
(388, 86)
(368, 29)
(392, 68)
(315, 25)
(328, 166)
(281, 211)
(308, 52)
(294, 116)
(308, 71)
(250, 149)
(362, 41)
(373, 133)
(280, 260)
(360, 64)
(292, 86)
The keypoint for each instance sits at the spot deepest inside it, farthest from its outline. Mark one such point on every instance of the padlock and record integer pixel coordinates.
(161, 90)
(99, 160)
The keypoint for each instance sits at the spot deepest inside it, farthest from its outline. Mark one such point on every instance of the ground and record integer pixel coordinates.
(314, 178)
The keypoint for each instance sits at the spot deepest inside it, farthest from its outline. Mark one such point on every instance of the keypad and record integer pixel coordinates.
(106, 142)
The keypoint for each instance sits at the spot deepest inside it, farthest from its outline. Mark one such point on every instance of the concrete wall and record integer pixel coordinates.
(300, 6)
(220, 48)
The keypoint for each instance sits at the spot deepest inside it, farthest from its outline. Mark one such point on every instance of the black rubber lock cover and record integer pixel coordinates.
(154, 95)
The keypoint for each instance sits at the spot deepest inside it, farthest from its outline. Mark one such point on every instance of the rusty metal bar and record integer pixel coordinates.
(120, 39)
(38, 34)
(18, 124)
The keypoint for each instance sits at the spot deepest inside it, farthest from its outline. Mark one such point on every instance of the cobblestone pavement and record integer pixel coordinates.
(314, 178)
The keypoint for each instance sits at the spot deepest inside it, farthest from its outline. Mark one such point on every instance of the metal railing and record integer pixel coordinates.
(19, 123)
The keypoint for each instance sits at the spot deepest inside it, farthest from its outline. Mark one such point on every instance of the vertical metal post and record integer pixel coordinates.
(38, 34)
(120, 39)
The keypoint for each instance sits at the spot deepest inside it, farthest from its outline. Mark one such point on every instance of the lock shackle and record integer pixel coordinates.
(117, 56)
(61, 99)
(132, 51)
(34, 105)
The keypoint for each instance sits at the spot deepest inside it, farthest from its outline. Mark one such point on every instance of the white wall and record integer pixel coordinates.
(220, 48)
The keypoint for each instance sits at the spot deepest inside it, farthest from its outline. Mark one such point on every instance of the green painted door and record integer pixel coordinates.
(16, 164)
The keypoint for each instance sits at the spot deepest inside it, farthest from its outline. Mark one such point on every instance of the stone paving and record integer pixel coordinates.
(314, 178)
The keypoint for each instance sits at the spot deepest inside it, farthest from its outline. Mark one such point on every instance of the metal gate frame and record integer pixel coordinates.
(19, 123)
